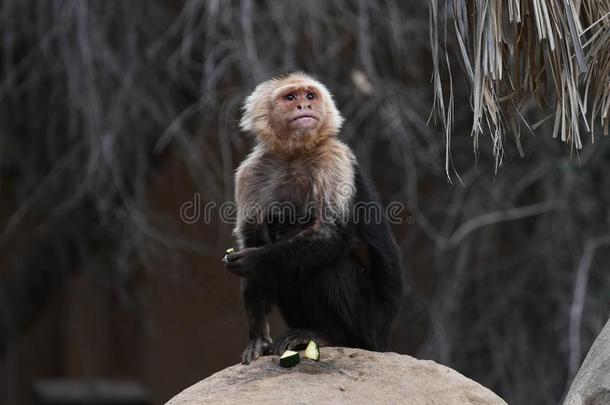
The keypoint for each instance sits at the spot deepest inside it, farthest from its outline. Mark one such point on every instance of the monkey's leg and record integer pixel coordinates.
(297, 339)
(257, 307)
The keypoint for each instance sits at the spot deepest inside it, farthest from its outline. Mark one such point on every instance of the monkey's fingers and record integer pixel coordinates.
(237, 267)
(256, 348)
(231, 260)
(233, 256)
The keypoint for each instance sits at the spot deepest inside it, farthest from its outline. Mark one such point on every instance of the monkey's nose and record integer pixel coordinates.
(299, 107)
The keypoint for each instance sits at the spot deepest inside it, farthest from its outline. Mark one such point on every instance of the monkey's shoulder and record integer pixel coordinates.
(252, 167)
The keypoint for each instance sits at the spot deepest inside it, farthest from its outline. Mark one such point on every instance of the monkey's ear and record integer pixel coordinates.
(246, 123)
(256, 109)
(335, 118)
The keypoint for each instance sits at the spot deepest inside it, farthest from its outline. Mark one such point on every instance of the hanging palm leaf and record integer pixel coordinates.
(554, 54)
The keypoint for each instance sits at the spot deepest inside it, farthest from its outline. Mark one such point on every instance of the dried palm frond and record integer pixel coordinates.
(554, 53)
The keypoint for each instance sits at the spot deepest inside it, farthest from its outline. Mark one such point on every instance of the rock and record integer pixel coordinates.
(342, 376)
(591, 386)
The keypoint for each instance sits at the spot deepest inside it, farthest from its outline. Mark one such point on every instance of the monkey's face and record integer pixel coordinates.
(298, 109)
(291, 113)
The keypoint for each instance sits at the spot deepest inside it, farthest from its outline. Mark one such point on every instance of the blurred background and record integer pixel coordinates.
(117, 115)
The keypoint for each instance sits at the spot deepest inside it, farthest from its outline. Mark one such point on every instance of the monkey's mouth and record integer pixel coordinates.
(304, 121)
(304, 116)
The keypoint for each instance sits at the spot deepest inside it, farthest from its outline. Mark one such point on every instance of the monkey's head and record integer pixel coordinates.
(291, 113)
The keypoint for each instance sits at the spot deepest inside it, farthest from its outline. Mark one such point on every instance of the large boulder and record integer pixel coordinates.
(342, 376)
(591, 386)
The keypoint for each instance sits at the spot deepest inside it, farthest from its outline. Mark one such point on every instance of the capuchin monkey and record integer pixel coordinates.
(312, 238)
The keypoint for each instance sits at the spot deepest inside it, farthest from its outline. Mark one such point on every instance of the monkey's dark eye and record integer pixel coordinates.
(310, 96)
(290, 97)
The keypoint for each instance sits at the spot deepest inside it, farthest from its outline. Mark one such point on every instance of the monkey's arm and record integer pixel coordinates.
(308, 250)
(255, 296)
(386, 270)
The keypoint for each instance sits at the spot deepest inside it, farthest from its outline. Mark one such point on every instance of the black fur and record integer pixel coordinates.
(341, 289)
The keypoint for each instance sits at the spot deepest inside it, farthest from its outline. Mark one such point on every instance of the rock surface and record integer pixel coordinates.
(591, 386)
(342, 376)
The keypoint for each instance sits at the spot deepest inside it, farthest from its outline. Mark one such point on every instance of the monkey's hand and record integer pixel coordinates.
(241, 263)
(256, 348)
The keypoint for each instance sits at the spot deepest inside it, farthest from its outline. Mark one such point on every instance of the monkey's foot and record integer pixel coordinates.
(295, 339)
(256, 347)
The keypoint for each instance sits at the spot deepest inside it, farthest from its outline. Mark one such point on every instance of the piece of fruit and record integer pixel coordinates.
(312, 351)
(230, 250)
(289, 359)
